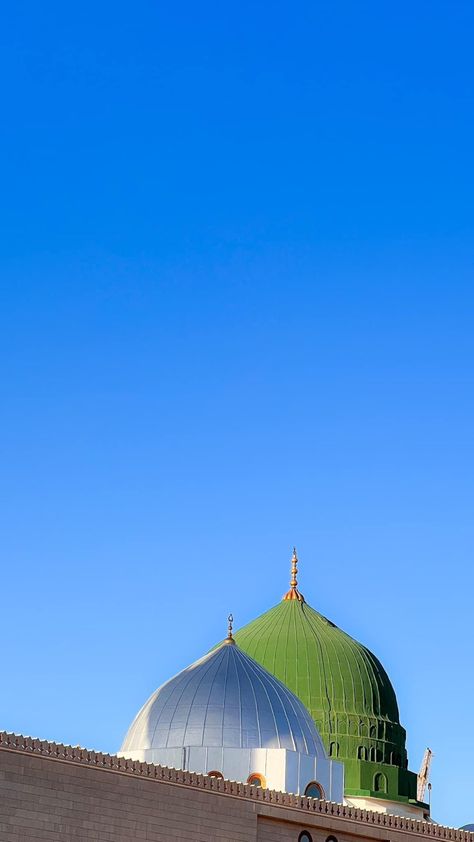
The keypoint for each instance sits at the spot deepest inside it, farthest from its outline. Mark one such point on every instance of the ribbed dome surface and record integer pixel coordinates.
(342, 684)
(324, 666)
(224, 699)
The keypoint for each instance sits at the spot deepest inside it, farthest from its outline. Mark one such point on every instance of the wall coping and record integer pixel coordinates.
(123, 765)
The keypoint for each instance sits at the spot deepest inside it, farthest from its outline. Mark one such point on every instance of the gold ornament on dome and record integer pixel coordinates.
(294, 593)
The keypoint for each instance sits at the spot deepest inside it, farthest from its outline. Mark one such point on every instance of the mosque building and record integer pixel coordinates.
(286, 731)
(291, 702)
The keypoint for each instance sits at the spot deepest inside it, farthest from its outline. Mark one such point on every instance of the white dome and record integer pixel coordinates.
(228, 700)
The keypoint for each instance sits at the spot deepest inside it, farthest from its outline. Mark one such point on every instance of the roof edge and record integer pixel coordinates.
(58, 752)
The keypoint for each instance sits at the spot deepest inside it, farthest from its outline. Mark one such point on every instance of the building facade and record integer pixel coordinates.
(57, 793)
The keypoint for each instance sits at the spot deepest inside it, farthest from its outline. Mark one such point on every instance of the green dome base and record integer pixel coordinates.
(379, 780)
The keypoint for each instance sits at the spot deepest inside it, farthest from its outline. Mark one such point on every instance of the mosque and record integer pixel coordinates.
(289, 702)
(286, 731)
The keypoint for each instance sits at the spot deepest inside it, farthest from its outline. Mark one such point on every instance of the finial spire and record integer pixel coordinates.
(294, 569)
(294, 593)
(229, 638)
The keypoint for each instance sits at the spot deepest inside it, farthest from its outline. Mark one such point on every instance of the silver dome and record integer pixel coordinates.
(224, 699)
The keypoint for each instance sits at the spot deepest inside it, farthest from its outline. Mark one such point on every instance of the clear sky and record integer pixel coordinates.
(236, 314)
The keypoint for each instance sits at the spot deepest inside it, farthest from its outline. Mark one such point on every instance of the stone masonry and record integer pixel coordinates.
(59, 793)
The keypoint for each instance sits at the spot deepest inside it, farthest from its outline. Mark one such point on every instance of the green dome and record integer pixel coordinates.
(345, 688)
(333, 674)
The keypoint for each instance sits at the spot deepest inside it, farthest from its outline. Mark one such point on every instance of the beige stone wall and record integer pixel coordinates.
(43, 799)
(58, 793)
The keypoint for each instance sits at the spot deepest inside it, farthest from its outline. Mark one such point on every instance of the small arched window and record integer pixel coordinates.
(305, 837)
(331, 839)
(375, 755)
(373, 731)
(362, 753)
(380, 782)
(333, 749)
(314, 790)
(215, 774)
(255, 779)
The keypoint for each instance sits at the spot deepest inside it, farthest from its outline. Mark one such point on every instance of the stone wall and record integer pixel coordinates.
(59, 793)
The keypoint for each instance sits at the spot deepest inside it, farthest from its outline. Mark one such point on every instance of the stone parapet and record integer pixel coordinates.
(305, 806)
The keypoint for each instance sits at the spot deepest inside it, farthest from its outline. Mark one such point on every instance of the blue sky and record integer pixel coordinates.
(236, 315)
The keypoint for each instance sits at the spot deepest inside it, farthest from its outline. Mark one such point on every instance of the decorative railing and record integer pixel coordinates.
(112, 762)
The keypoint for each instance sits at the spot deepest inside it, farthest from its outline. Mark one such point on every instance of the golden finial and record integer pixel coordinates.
(229, 638)
(294, 569)
(294, 593)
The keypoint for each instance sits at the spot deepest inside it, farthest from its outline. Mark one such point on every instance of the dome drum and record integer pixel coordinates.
(282, 770)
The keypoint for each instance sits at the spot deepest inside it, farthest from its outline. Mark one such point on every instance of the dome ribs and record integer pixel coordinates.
(342, 684)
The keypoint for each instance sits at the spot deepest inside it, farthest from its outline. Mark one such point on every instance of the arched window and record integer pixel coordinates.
(314, 790)
(362, 753)
(333, 749)
(215, 774)
(255, 779)
(395, 759)
(373, 731)
(331, 839)
(380, 782)
(375, 755)
(305, 837)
